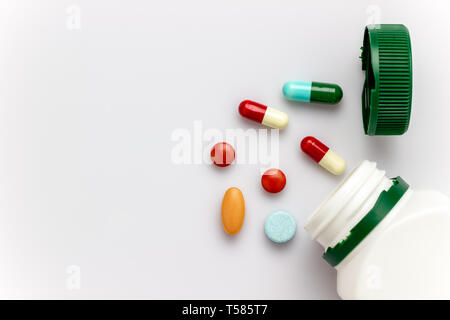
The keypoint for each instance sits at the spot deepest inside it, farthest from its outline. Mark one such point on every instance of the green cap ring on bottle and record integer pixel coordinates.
(386, 97)
(384, 204)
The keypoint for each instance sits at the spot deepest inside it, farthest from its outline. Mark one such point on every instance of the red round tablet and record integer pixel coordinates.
(222, 154)
(273, 180)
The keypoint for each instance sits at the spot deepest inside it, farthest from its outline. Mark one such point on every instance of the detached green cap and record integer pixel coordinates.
(386, 98)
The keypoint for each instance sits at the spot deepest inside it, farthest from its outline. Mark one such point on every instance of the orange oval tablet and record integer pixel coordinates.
(233, 210)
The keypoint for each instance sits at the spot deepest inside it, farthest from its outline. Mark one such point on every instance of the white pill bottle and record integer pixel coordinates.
(385, 240)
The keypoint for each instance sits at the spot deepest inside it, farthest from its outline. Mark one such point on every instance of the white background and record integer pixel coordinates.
(87, 116)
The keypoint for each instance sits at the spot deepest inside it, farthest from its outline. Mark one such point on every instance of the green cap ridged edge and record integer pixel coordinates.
(387, 93)
(385, 202)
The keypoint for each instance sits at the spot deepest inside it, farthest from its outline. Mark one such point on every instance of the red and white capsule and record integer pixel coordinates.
(325, 157)
(263, 114)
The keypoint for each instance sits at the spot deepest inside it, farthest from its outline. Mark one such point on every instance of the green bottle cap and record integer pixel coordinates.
(386, 97)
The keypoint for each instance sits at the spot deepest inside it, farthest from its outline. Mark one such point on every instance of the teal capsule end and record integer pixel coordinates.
(297, 91)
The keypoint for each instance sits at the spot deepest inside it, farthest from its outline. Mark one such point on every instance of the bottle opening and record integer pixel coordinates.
(350, 201)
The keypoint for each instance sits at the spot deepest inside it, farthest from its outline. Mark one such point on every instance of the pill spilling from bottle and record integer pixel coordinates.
(222, 154)
(322, 154)
(312, 92)
(263, 114)
(233, 211)
(280, 227)
(273, 180)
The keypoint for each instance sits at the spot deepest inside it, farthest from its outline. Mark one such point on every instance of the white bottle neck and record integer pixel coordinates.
(347, 204)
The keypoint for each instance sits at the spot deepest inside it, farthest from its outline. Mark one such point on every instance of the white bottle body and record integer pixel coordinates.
(406, 256)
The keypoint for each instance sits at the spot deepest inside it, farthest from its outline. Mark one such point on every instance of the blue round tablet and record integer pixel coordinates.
(280, 227)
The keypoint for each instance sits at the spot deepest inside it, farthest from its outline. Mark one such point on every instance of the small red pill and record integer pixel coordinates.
(273, 180)
(222, 154)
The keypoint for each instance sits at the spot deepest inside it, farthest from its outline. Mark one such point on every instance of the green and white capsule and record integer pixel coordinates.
(312, 92)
